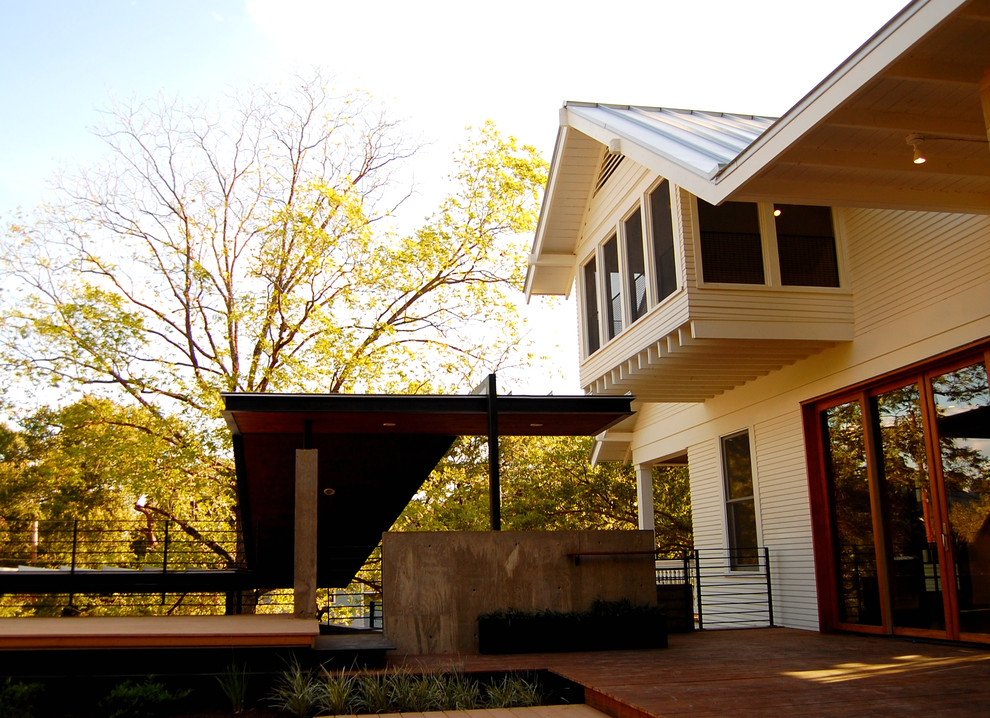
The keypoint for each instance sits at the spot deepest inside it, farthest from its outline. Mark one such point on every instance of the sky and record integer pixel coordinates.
(439, 66)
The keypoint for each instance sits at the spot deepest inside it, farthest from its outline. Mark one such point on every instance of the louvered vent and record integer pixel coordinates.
(610, 163)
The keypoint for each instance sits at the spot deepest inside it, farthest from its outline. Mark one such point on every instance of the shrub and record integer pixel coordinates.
(297, 691)
(513, 692)
(234, 684)
(17, 698)
(339, 693)
(139, 700)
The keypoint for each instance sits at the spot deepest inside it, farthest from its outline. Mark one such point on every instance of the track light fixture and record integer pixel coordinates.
(916, 140)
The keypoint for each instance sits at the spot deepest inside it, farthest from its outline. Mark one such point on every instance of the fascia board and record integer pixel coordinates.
(546, 207)
(890, 42)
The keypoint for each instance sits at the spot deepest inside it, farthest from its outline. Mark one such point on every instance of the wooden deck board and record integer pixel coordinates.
(156, 631)
(768, 672)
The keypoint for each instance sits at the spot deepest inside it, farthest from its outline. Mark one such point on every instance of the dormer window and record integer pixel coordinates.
(785, 245)
(731, 246)
(636, 261)
(637, 269)
(662, 231)
(806, 246)
(613, 287)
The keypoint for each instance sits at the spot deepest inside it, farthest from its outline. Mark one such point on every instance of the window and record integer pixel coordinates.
(661, 222)
(806, 246)
(613, 287)
(637, 268)
(731, 244)
(740, 502)
(635, 265)
(591, 306)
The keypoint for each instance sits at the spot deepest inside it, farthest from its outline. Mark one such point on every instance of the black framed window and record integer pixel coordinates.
(806, 246)
(731, 245)
(662, 225)
(635, 264)
(613, 287)
(591, 331)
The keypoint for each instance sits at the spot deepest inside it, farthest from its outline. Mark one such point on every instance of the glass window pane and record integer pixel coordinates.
(613, 287)
(731, 246)
(662, 223)
(962, 401)
(738, 466)
(911, 519)
(740, 508)
(857, 587)
(633, 232)
(806, 246)
(591, 306)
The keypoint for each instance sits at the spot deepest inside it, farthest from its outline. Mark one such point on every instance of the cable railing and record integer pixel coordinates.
(126, 568)
(147, 545)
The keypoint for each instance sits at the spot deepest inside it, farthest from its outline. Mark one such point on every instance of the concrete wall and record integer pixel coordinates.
(436, 583)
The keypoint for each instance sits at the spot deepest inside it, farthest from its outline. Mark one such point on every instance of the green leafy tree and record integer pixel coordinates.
(244, 248)
(547, 483)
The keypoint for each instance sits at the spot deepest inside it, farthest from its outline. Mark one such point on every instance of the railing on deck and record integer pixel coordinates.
(74, 550)
(154, 545)
(731, 587)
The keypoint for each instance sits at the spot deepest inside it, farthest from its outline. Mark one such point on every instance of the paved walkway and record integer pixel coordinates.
(766, 672)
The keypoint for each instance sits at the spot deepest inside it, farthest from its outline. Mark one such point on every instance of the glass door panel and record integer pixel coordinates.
(857, 582)
(962, 405)
(912, 529)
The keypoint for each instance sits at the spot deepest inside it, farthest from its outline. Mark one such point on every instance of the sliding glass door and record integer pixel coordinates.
(905, 472)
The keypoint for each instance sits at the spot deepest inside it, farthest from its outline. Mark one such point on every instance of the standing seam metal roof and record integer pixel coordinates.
(702, 142)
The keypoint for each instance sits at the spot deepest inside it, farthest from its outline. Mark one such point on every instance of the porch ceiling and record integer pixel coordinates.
(857, 153)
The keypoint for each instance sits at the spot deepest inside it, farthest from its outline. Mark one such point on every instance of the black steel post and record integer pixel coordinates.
(75, 544)
(766, 563)
(489, 388)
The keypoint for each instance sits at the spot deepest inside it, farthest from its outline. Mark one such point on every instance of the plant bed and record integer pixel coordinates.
(606, 626)
(297, 690)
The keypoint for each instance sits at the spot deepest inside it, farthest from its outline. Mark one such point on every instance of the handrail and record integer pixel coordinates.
(576, 555)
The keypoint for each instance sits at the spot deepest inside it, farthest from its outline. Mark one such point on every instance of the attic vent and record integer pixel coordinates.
(610, 162)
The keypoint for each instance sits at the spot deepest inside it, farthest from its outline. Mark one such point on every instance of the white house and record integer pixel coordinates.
(802, 311)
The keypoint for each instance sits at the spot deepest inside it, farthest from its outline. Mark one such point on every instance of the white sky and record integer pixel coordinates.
(442, 65)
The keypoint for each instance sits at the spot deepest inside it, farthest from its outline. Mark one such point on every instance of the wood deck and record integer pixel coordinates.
(157, 632)
(766, 672)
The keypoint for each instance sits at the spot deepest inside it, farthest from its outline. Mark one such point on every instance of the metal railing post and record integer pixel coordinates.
(165, 549)
(165, 556)
(75, 544)
(766, 562)
(697, 585)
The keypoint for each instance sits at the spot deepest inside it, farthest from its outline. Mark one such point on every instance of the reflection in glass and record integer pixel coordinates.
(962, 402)
(740, 502)
(613, 287)
(915, 581)
(858, 588)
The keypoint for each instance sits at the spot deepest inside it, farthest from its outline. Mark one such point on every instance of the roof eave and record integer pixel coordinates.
(887, 44)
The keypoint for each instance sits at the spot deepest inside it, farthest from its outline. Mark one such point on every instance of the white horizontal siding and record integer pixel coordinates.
(901, 262)
(785, 518)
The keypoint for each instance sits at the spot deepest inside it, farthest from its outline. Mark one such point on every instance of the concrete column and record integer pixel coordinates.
(304, 566)
(644, 496)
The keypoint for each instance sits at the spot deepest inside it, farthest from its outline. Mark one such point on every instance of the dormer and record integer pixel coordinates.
(682, 299)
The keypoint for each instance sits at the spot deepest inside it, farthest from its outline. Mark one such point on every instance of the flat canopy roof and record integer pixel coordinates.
(455, 415)
(374, 453)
